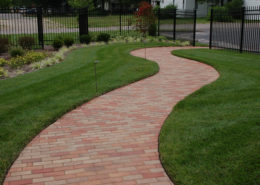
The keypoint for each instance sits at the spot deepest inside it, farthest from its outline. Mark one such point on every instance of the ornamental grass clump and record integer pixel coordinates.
(28, 58)
(3, 72)
(3, 62)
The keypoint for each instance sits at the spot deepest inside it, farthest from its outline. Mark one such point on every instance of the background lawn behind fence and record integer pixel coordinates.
(212, 136)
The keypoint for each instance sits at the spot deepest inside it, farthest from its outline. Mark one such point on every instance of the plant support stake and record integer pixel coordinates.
(95, 63)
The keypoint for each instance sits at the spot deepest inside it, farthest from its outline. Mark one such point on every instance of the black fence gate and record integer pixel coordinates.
(238, 30)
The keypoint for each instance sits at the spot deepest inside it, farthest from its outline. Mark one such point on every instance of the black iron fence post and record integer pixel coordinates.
(242, 30)
(194, 27)
(211, 27)
(40, 27)
(120, 17)
(83, 21)
(158, 15)
(174, 23)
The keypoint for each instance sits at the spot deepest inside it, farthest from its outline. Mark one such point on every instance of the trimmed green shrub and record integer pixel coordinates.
(103, 37)
(14, 52)
(57, 43)
(170, 8)
(85, 39)
(3, 45)
(26, 42)
(152, 30)
(68, 41)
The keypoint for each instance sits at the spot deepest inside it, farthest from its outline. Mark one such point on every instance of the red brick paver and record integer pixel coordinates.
(113, 139)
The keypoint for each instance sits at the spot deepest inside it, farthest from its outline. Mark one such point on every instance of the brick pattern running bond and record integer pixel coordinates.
(113, 139)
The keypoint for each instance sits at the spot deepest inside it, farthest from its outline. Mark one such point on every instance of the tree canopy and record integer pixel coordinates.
(5, 3)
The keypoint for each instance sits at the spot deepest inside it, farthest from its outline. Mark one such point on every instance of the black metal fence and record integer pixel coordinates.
(178, 24)
(238, 30)
(46, 24)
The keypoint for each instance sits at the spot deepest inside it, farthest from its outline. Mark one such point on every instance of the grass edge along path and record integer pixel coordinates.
(31, 102)
(212, 136)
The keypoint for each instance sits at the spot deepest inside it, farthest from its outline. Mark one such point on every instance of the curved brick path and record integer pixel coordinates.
(113, 139)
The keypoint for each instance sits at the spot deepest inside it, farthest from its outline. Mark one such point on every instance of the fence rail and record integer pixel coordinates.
(238, 30)
(46, 24)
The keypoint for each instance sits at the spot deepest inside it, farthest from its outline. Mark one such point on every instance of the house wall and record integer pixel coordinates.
(252, 2)
(164, 3)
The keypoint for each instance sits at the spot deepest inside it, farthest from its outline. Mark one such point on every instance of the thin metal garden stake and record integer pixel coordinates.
(144, 48)
(95, 63)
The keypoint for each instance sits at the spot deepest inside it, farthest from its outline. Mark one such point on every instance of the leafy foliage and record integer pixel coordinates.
(85, 39)
(5, 3)
(26, 42)
(81, 3)
(103, 37)
(14, 52)
(2, 62)
(144, 17)
(4, 45)
(68, 41)
(3, 72)
(28, 58)
(57, 43)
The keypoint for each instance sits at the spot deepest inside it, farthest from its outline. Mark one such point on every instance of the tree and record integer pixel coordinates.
(39, 3)
(5, 3)
(81, 3)
(145, 17)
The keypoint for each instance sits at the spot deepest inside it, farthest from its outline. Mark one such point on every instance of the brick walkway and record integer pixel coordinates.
(113, 139)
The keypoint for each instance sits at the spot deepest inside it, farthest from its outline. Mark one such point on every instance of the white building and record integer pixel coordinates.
(202, 8)
(252, 2)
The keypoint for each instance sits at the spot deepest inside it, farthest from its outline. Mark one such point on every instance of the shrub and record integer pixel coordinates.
(85, 39)
(170, 8)
(152, 30)
(234, 8)
(103, 37)
(2, 62)
(68, 41)
(14, 52)
(57, 43)
(221, 14)
(26, 42)
(3, 45)
(144, 17)
(3, 72)
(28, 58)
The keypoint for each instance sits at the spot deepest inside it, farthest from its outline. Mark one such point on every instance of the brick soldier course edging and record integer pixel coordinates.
(113, 139)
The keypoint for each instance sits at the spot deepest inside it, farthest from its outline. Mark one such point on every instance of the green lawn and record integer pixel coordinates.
(212, 137)
(185, 21)
(113, 20)
(94, 21)
(31, 102)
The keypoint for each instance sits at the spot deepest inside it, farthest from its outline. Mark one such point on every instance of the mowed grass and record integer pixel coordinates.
(212, 137)
(114, 21)
(31, 102)
(95, 21)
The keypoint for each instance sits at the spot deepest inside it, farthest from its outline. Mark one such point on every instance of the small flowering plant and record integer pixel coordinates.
(144, 17)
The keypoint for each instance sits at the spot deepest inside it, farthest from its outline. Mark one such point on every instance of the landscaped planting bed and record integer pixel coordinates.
(212, 136)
